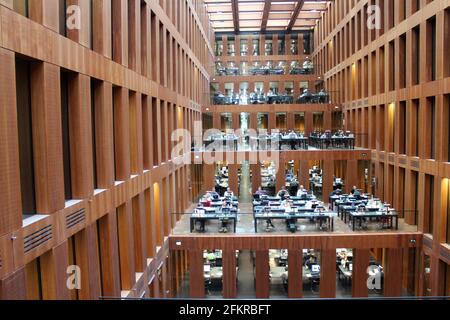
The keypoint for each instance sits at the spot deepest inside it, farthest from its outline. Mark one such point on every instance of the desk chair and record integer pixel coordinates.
(202, 226)
(224, 221)
(269, 225)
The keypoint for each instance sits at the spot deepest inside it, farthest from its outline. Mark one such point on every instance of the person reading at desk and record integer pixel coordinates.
(228, 193)
(311, 261)
(261, 192)
(355, 191)
(283, 193)
(301, 191)
(226, 209)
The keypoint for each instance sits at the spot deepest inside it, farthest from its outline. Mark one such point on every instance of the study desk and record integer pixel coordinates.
(295, 142)
(203, 217)
(386, 217)
(332, 142)
(326, 218)
(345, 274)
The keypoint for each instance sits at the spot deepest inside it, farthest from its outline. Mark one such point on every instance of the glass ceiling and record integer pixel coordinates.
(264, 15)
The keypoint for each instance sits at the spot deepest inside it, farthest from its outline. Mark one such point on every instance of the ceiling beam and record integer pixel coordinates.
(235, 9)
(265, 18)
(297, 10)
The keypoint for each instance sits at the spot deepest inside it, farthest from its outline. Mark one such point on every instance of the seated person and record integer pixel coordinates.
(336, 192)
(311, 261)
(355, 192)
(226, 208)
(228, 193)
(261, 192)
(283, 193)
(207, 200)
(286, 204)
(301, 191)
(269, 225)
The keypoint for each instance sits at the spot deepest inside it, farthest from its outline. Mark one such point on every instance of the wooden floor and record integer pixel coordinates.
(245, 225)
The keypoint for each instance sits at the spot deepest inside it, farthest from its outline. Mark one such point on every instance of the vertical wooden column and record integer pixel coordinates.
(327, 179)
(47, 139)
(53, 265)
(134, 35)
(301, 46)
(136, 134)
(208, 177)
(303, 177)
(120, 31)
(229, 273)
(147, 133)
(83, 34)
(140, 231)
(327, 120)
(295, 284)
(359, 276)
(126, 246)
(104, 139)
(87, 260)
(290, 121)
(235, 119)
(11, 213)
(254, 121)
(101, 28)
(393, 273)
(45, 12)
(280, 176)
(328, 274)
(309, 126)
(272, 122)
(196, 278)
(150, 220)
(351, 175)
(80, 132)
(109, 251)
(121, 134)
(233, 178)
(13, 287)
(163, 106)
(262, 274)
(166, 206)
(256, 176)
(216, 121)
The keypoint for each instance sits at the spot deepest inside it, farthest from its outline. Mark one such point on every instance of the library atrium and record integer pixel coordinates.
(235, 149)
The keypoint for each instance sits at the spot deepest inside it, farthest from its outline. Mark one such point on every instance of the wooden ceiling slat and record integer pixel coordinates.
(297, 10)
(235, 9)
(265, 18)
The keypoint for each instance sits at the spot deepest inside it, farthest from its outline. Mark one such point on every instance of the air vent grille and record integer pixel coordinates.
(75, 218)
(38, 238)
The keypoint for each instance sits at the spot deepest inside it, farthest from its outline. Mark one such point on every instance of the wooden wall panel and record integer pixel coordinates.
(328, 273)
(359, 277)
(104, 137)
(47, 139)
(229, 274)
(295, 284)
(196, 279)
(80, 130)
(11, 213)
(13, 287)
(262, 274)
